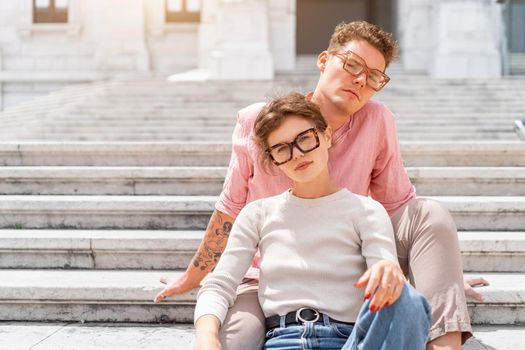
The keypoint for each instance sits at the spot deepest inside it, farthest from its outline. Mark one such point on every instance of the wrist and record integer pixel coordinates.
(193, 276)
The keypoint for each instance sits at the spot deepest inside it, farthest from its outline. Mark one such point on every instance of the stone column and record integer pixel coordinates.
(234, 40)
(468, 36)
(117, 29)
(415, 33)
(282, 33)
(1, 82)
(207, 33)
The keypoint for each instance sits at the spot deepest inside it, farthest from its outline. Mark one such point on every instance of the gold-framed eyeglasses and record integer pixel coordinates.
(305, 142)
(355, 65)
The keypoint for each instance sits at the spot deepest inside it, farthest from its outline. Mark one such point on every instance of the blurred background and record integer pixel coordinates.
(47, 44)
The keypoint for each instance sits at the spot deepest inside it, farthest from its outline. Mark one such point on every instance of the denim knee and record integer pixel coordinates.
(414, 305)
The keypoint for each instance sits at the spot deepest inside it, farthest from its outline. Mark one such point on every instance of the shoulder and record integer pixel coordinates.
(247, 115)
(365, 203)
(261, 206)
(257, 210)
(269, 202)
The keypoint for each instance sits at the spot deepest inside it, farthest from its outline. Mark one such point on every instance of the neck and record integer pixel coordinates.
(319, 187)
(335, 117)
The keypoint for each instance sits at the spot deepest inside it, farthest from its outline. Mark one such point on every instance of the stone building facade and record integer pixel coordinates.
(46, 44)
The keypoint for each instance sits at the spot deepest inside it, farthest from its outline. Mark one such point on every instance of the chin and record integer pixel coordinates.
(304, 178)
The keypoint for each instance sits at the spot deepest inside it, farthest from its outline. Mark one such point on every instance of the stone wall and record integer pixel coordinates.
(452, 38)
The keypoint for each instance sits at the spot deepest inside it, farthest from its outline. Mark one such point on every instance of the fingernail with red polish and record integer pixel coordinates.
(387, 304)
(367, 296)
(373, 308)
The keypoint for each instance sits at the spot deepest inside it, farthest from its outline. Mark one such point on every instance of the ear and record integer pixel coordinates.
(321, 60)
(328, 136)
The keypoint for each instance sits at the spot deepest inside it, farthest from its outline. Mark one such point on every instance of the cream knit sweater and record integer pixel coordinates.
(312, 252)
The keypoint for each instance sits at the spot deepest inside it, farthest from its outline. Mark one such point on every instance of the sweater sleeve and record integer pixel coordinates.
(390, 184)
(218, 292)
(377, 235)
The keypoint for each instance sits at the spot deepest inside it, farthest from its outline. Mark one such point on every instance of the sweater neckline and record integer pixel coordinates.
(309, 202)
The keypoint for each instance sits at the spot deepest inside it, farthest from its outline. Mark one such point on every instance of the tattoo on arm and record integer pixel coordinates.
(214, 241)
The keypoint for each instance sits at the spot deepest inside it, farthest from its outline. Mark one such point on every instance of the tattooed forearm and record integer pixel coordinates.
(214, 241)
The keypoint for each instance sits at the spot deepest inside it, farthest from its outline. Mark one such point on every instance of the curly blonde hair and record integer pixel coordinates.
(371, 33)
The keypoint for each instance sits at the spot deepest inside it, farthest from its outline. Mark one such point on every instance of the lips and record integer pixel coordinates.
(303, 165)
(352, 92)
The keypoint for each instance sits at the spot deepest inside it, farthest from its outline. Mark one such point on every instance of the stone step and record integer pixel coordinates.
(106, 212)
(95, 180)
(79, 336)
(139, 136)
(112, 180)
(415, 153)
(490, 213)
(123, 336)
(193, 212)
(154, 249)
(492, 251)
(126, 296)
(187, 117)
(204, 133)
(503, 300)
(448, 111)
(98, 249)
(202, 120)
(114, 153)
(88, 296)
(468, 181)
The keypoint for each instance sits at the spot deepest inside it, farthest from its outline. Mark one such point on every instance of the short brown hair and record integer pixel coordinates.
(275, 113)
(371, 33)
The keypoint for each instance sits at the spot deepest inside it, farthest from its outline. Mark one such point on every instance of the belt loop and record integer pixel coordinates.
(326, 320)
(282, 321)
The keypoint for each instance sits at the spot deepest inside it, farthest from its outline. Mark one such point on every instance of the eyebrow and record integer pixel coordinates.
(278, 143)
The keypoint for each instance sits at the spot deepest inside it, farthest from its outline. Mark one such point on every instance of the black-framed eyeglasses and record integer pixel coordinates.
(355, 65)
(305, 142)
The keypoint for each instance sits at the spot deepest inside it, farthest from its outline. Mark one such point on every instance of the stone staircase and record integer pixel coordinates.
(517, 63)
(106, 187)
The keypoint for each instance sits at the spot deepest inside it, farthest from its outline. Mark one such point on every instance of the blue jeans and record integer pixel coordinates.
(403, 325)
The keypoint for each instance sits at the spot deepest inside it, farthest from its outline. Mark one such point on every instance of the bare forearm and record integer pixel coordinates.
(207, 333)
(211, 247)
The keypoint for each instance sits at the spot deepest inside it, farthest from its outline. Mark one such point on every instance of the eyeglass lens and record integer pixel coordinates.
(306, 141)
(374, 78)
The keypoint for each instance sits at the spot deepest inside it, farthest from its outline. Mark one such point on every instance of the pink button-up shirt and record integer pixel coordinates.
(364, 157)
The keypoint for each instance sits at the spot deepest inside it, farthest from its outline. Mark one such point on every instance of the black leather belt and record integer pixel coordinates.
(299, 317)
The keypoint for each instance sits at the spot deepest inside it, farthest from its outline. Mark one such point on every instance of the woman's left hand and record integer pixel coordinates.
(384, 283)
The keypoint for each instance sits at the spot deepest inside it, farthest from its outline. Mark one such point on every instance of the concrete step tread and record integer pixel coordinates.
(492, 241)
(486, 241)
(86, 285)
(141, 286)
(74, 172)
(96, 172)
(504, 288)
(471, 213)
(121, 153)
(122, 336)
(488, 172)
(156, 240)
(507, 201)
(78, 336)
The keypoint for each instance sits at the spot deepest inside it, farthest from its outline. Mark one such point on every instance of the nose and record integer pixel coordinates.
(360, 79)
(296, 152)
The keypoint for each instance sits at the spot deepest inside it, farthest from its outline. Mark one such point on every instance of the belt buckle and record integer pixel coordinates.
(298, 316)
